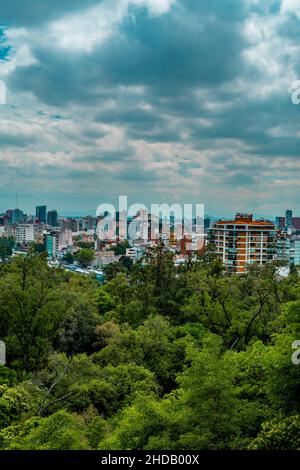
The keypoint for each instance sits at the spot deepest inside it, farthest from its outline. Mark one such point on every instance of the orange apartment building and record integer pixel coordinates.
(243, 241)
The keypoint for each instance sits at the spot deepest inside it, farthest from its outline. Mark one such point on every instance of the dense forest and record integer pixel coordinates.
(159, 357)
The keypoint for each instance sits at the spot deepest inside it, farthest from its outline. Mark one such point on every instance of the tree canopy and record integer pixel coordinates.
(159, 357)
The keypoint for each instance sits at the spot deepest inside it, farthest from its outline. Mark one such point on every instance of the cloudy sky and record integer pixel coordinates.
(161, 100)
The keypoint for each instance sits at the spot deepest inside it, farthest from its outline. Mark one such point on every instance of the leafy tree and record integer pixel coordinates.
(10, 433)
(113, 269)
(60, 431)
(237, 308)
(29, 310)
(136, 425)
(7, 376)
(279, 434)
(150, 345)
(84, 257)
(17, 402)
(76, 329)
(85, 245)
(211, 414)
(126, 263)
(160, 273)
(282, 376)
(120, 248)
(80, 384)
(68, 258)
(6, 246)
(205, 413)
(104, 301)
(96, 428)
(42, 308)
(38, 248)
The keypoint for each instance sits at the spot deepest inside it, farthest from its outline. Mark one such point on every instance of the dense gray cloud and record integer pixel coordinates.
(158, 99)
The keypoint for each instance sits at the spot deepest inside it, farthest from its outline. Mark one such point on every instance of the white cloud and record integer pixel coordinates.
(85, 30)
(272, 54)
(291, 6)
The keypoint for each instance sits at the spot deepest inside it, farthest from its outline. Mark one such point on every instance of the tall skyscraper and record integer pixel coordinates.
(280, 222)
(52, 218)
(41, 213)
(243, 241)
(8, 215)
(206, 223)
(17, 216)
(288, 219)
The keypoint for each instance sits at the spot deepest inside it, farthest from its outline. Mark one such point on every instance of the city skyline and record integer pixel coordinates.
(239, 241)
(77, 214)
(132, 96)
(70, 209)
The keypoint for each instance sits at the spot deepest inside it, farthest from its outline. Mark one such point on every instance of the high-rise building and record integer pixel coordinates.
(280, 222)
(57, 240)
(243, 241)
(283, 242)
(52, 219)
(41, 213)
(52, 242)
(65, 239)
(296, 223)
(288, 219)
(69, 224)
(206, 223)
(288, 248)
(17, 216)
(121, 225)
(294, 251)
(8, 216)
(25, 233)
(88, 223)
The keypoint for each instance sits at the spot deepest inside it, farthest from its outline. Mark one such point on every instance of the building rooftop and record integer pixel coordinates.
(242, 219)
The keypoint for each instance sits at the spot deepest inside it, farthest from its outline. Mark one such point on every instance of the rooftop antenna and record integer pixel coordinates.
(16, 199)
